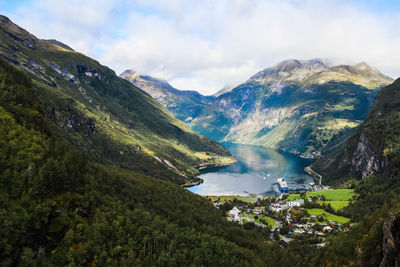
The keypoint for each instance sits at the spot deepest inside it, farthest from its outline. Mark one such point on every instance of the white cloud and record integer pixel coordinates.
(204, 45)
(83, 25)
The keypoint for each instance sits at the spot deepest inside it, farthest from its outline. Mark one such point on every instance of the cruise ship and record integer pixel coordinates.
(282, 185)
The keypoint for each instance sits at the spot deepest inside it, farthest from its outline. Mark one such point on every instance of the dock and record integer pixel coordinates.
(317, 177)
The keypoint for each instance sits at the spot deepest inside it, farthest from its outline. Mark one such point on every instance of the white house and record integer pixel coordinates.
(233, 215)
(278, 207)
(327, 229)
(296, 203)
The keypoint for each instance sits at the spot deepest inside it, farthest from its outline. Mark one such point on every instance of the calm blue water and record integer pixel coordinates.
(255, 172)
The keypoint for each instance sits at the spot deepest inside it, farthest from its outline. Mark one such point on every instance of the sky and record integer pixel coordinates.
(209, 44)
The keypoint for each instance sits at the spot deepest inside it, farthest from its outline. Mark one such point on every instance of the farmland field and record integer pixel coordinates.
(271, 222)
(336, 205)
(327, 216)
(333, 194)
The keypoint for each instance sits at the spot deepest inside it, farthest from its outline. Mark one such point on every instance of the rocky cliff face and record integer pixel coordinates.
(364, 159)
(374, 147)
(391, 242)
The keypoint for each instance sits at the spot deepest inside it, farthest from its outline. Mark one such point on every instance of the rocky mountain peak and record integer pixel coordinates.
(367, 70)
(292, 67)
(143, 81)
(129, 73)
(318, 71)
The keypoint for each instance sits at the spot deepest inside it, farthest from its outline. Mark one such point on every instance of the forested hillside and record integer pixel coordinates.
(374, 148)
(58, 208)
(369, 161)
(104, 115)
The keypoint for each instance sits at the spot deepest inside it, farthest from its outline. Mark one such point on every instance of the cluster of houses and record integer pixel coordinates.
(234, 214)
(307, 228)
(242, 213)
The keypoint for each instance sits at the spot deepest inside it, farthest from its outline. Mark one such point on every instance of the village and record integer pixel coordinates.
(314, 214)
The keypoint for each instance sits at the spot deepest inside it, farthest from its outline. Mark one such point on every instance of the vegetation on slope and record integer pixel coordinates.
(374, 147)
(58, 208)
(302, 107)
(374, 238)
(305, 107)
(115, 122)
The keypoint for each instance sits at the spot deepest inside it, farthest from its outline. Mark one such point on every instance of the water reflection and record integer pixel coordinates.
(255, 172)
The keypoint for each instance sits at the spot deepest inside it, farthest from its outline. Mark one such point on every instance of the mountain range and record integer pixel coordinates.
(302, 106)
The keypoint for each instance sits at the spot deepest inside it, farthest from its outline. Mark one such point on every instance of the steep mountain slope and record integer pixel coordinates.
(57, 208)
(305, 107)
(105, 115)
(374, 148)
(184, 105)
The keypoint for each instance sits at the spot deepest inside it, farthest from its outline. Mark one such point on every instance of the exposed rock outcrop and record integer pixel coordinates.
(365, 160)
(391, 242)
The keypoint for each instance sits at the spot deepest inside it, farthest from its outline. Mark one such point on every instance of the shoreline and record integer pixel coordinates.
(210, 166)
(191, 184)
(205, 167)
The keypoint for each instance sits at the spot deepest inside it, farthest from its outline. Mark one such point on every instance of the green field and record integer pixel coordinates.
(338, 198)
(336, 205)
(230, 198)
(327, 216)
(271, 222)
(333, 194)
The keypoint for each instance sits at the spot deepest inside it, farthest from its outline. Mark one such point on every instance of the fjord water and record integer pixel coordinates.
(255, 172)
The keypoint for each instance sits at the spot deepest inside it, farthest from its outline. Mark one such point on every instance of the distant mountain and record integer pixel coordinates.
(374, 147)
(306, 107)
(184, 105)
(103, 114)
